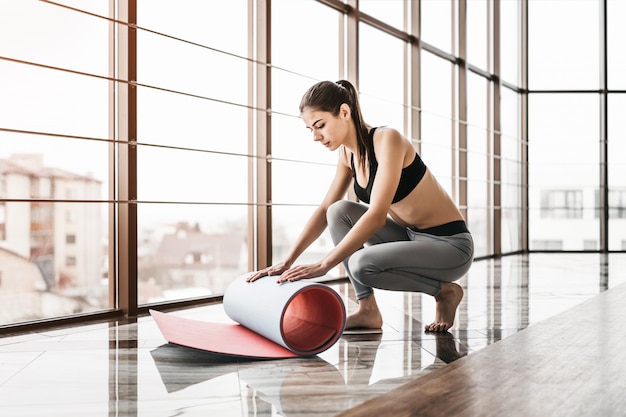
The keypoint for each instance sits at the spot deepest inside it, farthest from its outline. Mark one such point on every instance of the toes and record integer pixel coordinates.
(437, 327)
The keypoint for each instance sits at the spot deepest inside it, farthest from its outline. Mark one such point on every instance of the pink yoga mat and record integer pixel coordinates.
(272, 320)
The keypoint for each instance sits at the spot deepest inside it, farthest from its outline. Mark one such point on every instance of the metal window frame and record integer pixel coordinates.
(496, 127)
(263, 134)
(126, 236)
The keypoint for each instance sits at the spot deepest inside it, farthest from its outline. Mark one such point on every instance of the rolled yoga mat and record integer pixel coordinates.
(273, 320)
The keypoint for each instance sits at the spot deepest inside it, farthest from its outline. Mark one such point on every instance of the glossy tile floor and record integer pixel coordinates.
(128, 369)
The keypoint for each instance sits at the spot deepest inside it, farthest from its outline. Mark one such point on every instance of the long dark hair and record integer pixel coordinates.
(329, 96)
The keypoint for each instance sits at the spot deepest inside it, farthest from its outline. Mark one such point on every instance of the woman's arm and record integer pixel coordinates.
(390, 148)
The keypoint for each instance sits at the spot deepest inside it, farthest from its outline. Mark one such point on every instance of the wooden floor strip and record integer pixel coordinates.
(573, 364)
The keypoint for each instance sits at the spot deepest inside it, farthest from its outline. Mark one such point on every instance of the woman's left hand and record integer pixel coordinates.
(299, 272)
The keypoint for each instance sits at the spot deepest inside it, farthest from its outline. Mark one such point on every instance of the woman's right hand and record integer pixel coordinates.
(270, 271)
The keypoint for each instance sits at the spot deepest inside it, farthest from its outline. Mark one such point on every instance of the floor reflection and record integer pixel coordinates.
(286, 386)
(125, 368)
(301, 386)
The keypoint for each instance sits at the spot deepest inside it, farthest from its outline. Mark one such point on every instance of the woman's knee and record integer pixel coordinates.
(344, 211)
(362, 269)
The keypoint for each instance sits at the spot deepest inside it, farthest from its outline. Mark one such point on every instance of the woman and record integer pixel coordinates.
(408, 236)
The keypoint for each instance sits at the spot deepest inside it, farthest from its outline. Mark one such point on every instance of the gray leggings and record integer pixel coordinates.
(398, 258)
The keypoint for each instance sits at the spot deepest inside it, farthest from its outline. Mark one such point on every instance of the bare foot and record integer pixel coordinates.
(447, 300)
(368, 315)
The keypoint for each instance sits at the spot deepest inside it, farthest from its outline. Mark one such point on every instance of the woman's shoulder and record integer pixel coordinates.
(388, 136)
(387, 131)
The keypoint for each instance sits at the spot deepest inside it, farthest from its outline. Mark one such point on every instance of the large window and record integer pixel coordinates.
(616, 125)
(563, 168)
(616, 32)
(479, 163)
(152, 158)
(54, 136)
(438, 145)
(567, 57)
(511, 168)
(510, 41)
(575, 138)
(436, 24)
(479, 52)
(160, 153)
(616, 148)
(301, 169)
(382, 97)
(193, 150)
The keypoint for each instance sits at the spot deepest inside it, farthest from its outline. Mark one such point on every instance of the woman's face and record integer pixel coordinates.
(331, 131)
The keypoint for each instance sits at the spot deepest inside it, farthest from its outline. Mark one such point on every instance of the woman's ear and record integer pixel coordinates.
(345, 111)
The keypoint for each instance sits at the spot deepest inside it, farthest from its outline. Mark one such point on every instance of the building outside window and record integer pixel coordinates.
(562, 204)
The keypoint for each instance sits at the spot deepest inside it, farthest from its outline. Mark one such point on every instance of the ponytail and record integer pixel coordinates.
(329, 96)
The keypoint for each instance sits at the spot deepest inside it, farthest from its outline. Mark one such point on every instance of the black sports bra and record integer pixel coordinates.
(411, 176)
